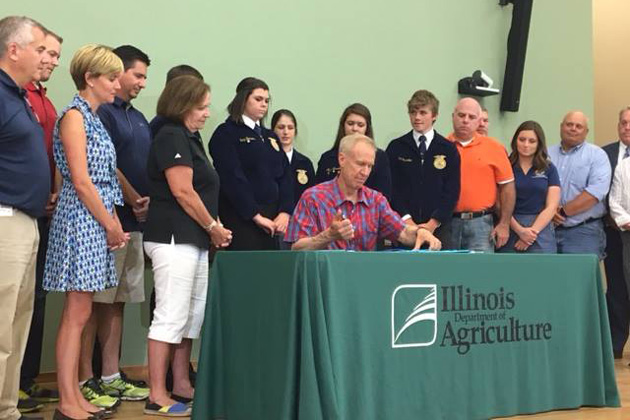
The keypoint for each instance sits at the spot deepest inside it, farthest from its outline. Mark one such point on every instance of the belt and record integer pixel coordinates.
(471, 214)
(592, 219)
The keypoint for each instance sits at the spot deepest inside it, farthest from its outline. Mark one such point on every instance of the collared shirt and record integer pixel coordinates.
(428, 136)
(289, 155)
(371, 216)
(174, 145)
(532, 188)
(250, 123)
(619, 197)
(46, 115)
(582, 168)
(254, 173)
(24, 168)
(484, 164)
(622, 152)
(130, 133)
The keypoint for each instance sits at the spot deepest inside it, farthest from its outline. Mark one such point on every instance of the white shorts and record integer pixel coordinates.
(129, 263)
(180, 276)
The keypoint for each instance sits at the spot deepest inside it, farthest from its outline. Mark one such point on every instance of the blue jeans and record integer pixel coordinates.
(588, 238)
(472, 234)
(544, 244)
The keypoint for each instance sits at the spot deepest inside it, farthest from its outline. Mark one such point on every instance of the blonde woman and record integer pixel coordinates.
(85, 228)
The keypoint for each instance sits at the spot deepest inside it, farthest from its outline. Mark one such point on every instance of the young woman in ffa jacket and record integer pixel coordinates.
(256, 196)
(356, 119)
(284, 125)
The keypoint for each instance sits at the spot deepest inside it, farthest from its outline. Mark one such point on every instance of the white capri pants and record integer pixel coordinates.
(180, 276)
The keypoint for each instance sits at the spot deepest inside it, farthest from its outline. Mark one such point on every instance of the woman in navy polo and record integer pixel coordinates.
(256, 196)
(356, 119)
(537, 192)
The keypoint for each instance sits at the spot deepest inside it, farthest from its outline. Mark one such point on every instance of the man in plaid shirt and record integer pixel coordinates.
(345, 214)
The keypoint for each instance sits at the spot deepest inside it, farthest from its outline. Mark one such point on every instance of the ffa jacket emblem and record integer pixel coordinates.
(439, 161)
(274, 144)
(302, 178)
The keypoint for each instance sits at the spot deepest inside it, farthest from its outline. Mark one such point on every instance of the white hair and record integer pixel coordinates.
(347, 143)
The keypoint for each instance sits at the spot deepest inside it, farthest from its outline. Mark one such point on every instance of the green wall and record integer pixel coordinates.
(318, 57)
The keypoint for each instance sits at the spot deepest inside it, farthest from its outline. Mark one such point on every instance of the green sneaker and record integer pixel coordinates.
(93, 392)
(41, 394)
(124, 390)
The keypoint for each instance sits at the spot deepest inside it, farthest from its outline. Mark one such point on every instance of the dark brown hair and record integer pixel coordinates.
(244, 89)
(180, 96)
(279, 113)
(541, 159)
(358, 109)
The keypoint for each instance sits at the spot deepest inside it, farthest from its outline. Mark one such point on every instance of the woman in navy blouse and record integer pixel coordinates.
(537, 192)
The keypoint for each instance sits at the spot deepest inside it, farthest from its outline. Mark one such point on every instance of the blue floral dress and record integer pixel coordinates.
(78, 258)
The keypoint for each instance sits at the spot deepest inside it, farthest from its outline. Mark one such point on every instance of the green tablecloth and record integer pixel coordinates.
(342, 335)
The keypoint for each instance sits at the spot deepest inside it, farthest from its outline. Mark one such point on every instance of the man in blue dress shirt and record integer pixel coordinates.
(585, 180)
(130, 133)
(24, 190)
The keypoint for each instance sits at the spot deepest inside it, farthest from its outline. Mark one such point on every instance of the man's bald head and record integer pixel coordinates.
(466, 118)
(573, 129)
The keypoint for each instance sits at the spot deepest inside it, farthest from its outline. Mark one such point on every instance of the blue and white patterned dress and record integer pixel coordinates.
(78, 258)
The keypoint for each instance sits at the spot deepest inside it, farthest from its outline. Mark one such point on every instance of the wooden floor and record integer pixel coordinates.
(133, 410)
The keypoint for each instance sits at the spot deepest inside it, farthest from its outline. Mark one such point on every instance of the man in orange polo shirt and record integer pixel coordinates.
(484, 166)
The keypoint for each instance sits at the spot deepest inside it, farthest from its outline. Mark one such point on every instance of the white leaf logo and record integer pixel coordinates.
(426, 310)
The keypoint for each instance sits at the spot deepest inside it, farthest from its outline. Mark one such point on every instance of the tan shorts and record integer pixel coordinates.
(130, 271)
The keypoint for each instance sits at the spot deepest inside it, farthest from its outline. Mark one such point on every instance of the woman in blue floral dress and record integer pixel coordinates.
(84, 226)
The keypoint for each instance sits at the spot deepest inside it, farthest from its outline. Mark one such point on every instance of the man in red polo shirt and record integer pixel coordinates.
(31, 394)
(484, 166)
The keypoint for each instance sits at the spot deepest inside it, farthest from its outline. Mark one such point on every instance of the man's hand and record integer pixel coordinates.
(424, 236)
(141, 209)
(500, 234)
(341, 228)
(430, 225)
(51, 204)
(558, 218)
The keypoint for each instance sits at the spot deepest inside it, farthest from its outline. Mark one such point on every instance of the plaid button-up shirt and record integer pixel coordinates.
(371, 216)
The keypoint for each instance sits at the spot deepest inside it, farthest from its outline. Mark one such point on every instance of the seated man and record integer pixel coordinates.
(345, 214)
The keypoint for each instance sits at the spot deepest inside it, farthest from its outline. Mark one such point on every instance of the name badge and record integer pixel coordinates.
(246, 139)
(404, 159)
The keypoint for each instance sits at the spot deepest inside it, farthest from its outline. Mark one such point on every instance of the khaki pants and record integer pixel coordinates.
(18, 254)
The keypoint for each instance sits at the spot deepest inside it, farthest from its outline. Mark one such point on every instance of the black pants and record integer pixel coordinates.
(617, 291)
(33, 354)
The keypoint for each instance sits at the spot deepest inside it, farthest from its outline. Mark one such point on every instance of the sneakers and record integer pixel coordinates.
(125, 390)
(136, 382)
(26, 404)
(43, 395)
(93, 392)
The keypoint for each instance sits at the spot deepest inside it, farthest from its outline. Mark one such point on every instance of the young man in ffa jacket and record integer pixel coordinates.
(425, 170)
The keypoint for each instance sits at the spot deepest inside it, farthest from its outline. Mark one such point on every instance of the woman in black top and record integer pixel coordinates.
(256, 195)
(181, 226)
(356, 118)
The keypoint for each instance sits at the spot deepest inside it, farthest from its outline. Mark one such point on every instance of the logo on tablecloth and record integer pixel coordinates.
(414, 315)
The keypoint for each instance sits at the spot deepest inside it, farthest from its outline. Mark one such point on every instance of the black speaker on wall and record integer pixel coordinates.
(516, 49)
